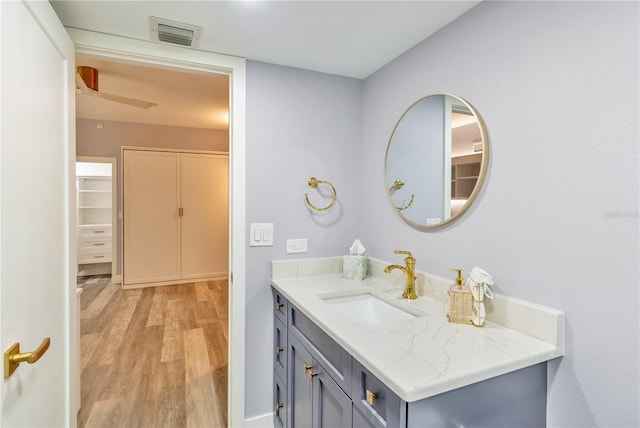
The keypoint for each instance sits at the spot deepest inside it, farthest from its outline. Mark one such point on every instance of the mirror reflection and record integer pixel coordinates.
(436, 160)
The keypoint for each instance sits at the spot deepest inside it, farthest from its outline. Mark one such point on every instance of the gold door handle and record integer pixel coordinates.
(311, 374)
(279, 305)
(371, 397)
(279, 349)
(306, 367)
(13, 357)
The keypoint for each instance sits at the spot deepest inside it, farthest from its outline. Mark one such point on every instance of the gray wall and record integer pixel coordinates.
(299, 124)
(557, 220)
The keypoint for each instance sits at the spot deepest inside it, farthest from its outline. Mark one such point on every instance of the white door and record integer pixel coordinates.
(151, 199)
(38, 143)
(204, 197)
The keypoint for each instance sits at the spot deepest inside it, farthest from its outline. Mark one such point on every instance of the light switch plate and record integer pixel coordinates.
(261, 235)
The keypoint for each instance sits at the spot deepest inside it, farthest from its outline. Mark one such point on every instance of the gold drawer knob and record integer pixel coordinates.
(371, 397)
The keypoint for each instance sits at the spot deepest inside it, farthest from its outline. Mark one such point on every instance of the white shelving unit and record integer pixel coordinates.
(94, 184)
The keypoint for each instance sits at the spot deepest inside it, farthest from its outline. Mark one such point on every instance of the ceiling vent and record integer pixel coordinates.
(176, 33)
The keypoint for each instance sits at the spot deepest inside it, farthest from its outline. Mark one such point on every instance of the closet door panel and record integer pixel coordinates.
(205, 221)
(151, 221)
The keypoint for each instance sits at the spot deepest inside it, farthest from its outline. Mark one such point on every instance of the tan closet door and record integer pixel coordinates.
(205, 221)
(151, 221)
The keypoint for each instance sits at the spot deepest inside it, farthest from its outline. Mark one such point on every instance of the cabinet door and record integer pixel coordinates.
(280, 348)
(280, 405)
(205, 215)
(332, 408)
(299, 385)
(151, 222)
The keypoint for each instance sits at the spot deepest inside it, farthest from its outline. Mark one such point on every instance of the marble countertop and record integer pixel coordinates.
(426, 355)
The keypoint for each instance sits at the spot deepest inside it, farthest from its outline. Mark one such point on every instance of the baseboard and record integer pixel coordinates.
(264, 421)
(116, 279)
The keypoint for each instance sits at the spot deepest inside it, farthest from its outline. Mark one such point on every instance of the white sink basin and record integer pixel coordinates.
(367, 309)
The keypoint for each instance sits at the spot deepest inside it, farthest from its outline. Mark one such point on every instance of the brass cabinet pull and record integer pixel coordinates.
(279, 406)
(98, 231)
(279, 305)
(371, 397)
(306, 367)
(311, 374)
(98, 243)
(279, 349)
(13, 357)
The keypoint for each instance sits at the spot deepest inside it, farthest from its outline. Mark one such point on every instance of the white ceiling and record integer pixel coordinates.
(348, 38)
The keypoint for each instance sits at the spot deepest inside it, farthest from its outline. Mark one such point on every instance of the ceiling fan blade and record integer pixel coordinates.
(124, 100)
(82, 88)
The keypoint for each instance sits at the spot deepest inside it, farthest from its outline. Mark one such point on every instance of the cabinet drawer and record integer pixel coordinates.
(380, 410)
(87, 244)
(280, 345)
(94, 258)
(280, 402)
(94, 231)
(333, 358)
(280, 305)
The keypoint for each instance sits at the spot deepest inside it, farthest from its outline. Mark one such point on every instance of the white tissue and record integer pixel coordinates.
(479, 281)
(356, 248)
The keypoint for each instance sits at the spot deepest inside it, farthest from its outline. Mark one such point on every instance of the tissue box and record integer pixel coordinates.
(354, 267)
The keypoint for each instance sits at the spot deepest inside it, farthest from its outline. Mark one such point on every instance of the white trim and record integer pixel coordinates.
(121, 49)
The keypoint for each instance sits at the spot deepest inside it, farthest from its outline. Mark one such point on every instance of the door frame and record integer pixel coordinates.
(120, 49)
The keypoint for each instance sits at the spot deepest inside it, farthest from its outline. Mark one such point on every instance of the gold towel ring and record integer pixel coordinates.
(395, 186)
(313, 182)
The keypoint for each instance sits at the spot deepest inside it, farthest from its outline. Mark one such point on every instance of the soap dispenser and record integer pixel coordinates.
(460, 301)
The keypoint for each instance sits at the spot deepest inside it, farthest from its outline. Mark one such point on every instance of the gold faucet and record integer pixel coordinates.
(409, 274)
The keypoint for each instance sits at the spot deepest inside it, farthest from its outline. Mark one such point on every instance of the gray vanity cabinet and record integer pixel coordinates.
(315, 400)
(318, 384)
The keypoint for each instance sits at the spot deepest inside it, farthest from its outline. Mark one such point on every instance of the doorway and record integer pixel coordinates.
(113, 48)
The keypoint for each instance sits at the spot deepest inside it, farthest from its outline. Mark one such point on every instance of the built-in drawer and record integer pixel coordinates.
(84, 258)
(280, 305)
(280, 345)
(375, 401)
(335, 360)
(91, 244)
(94, 231)
(280, 402)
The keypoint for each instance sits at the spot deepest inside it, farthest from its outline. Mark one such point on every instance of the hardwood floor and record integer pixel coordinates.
(153, 357)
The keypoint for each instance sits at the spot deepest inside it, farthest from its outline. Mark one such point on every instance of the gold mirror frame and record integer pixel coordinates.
(390, 187)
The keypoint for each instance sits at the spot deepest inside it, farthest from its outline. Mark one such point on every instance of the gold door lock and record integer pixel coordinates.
(13, 357)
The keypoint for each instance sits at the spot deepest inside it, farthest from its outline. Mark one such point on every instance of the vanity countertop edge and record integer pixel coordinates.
(427, 355)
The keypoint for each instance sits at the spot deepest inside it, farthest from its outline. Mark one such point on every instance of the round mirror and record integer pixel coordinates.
(436, 160)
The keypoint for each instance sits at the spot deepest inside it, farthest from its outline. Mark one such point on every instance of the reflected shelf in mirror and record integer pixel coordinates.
(436, 160)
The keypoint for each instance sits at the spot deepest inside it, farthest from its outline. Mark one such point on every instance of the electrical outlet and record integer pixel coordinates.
(296, 246)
